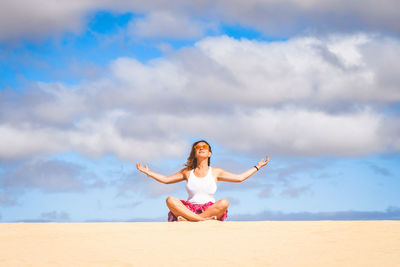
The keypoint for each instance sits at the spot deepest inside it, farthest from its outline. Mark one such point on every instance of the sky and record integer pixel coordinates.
(88, 88)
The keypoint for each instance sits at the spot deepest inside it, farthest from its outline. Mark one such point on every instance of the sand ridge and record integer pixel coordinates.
(211, 243)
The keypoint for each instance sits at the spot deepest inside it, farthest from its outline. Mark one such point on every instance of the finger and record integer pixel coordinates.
(266, 160)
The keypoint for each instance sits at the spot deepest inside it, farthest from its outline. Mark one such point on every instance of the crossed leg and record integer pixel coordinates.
(178, 209)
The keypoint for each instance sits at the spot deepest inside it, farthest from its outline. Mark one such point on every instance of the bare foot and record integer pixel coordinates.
(181, 219)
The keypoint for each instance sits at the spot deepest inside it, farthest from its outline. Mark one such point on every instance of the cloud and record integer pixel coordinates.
(55, 216)
(7, 198)
(162, 24)
(300, 69)
(266, 192)
(90, 136)
(41, 18)
(46, 175)
(391, 213)
(54, 104)
(289, 132)
(137, 183)
(295, 192)
(129, 206)
(289, 173)
(307, 96)
(380, 170)
(158, 219)
(286, 17)
(287, 177)
(251, 73)
(233, 201)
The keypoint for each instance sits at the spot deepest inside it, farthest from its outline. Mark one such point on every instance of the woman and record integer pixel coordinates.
(201, 186)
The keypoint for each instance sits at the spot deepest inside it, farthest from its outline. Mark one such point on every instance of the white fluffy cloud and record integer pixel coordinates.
(223, 70)
(293, 131)
(306, 96)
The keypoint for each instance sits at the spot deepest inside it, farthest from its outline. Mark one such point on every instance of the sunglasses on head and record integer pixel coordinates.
(204, 147)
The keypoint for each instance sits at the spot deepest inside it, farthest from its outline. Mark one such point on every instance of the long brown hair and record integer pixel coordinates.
(191, 162)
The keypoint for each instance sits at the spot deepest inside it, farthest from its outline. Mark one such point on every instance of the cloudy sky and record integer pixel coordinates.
(89, 87)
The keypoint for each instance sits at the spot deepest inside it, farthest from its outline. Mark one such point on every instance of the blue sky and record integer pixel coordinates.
(88, 89)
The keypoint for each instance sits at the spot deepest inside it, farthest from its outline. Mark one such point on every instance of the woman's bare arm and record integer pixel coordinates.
(226, 176)
(177, 177)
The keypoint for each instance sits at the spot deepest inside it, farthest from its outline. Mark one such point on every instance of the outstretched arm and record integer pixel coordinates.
(237, 178)
(177, 177)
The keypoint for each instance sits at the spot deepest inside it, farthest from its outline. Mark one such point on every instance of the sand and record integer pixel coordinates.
(212, 243)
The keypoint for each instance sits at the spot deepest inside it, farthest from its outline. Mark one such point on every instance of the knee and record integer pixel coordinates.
(224, 203)
(170, 200)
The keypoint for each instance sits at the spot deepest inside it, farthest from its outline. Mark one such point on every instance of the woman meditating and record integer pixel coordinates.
(201, 186)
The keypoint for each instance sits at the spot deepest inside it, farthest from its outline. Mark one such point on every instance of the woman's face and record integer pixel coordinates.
(202, 150)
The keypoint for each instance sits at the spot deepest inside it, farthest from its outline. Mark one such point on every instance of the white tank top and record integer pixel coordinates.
(201, 189)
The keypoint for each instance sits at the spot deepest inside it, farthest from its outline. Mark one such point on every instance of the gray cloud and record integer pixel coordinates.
(295, 192)
(266, 192)
(55, 216)
(163, 24)
(48, 176)
(391, 213)
(286, 179)
(380, 170)
(129, 205)
(289, 173)
(286, 17)
(7, 198)
(233, 201)
(137, 219)
(38, 19)
(137, 183)
(41, 18)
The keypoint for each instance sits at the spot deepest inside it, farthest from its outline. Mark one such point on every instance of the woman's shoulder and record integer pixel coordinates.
(216, 170)
(186, 171)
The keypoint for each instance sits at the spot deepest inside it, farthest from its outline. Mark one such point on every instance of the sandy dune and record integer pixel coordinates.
(315, 243)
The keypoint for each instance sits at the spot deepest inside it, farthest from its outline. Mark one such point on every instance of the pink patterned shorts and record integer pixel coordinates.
(196, 208)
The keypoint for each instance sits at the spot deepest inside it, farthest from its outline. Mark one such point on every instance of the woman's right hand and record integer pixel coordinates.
(144, 169)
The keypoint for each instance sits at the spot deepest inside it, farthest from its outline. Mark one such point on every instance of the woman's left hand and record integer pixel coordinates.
(263, 162)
